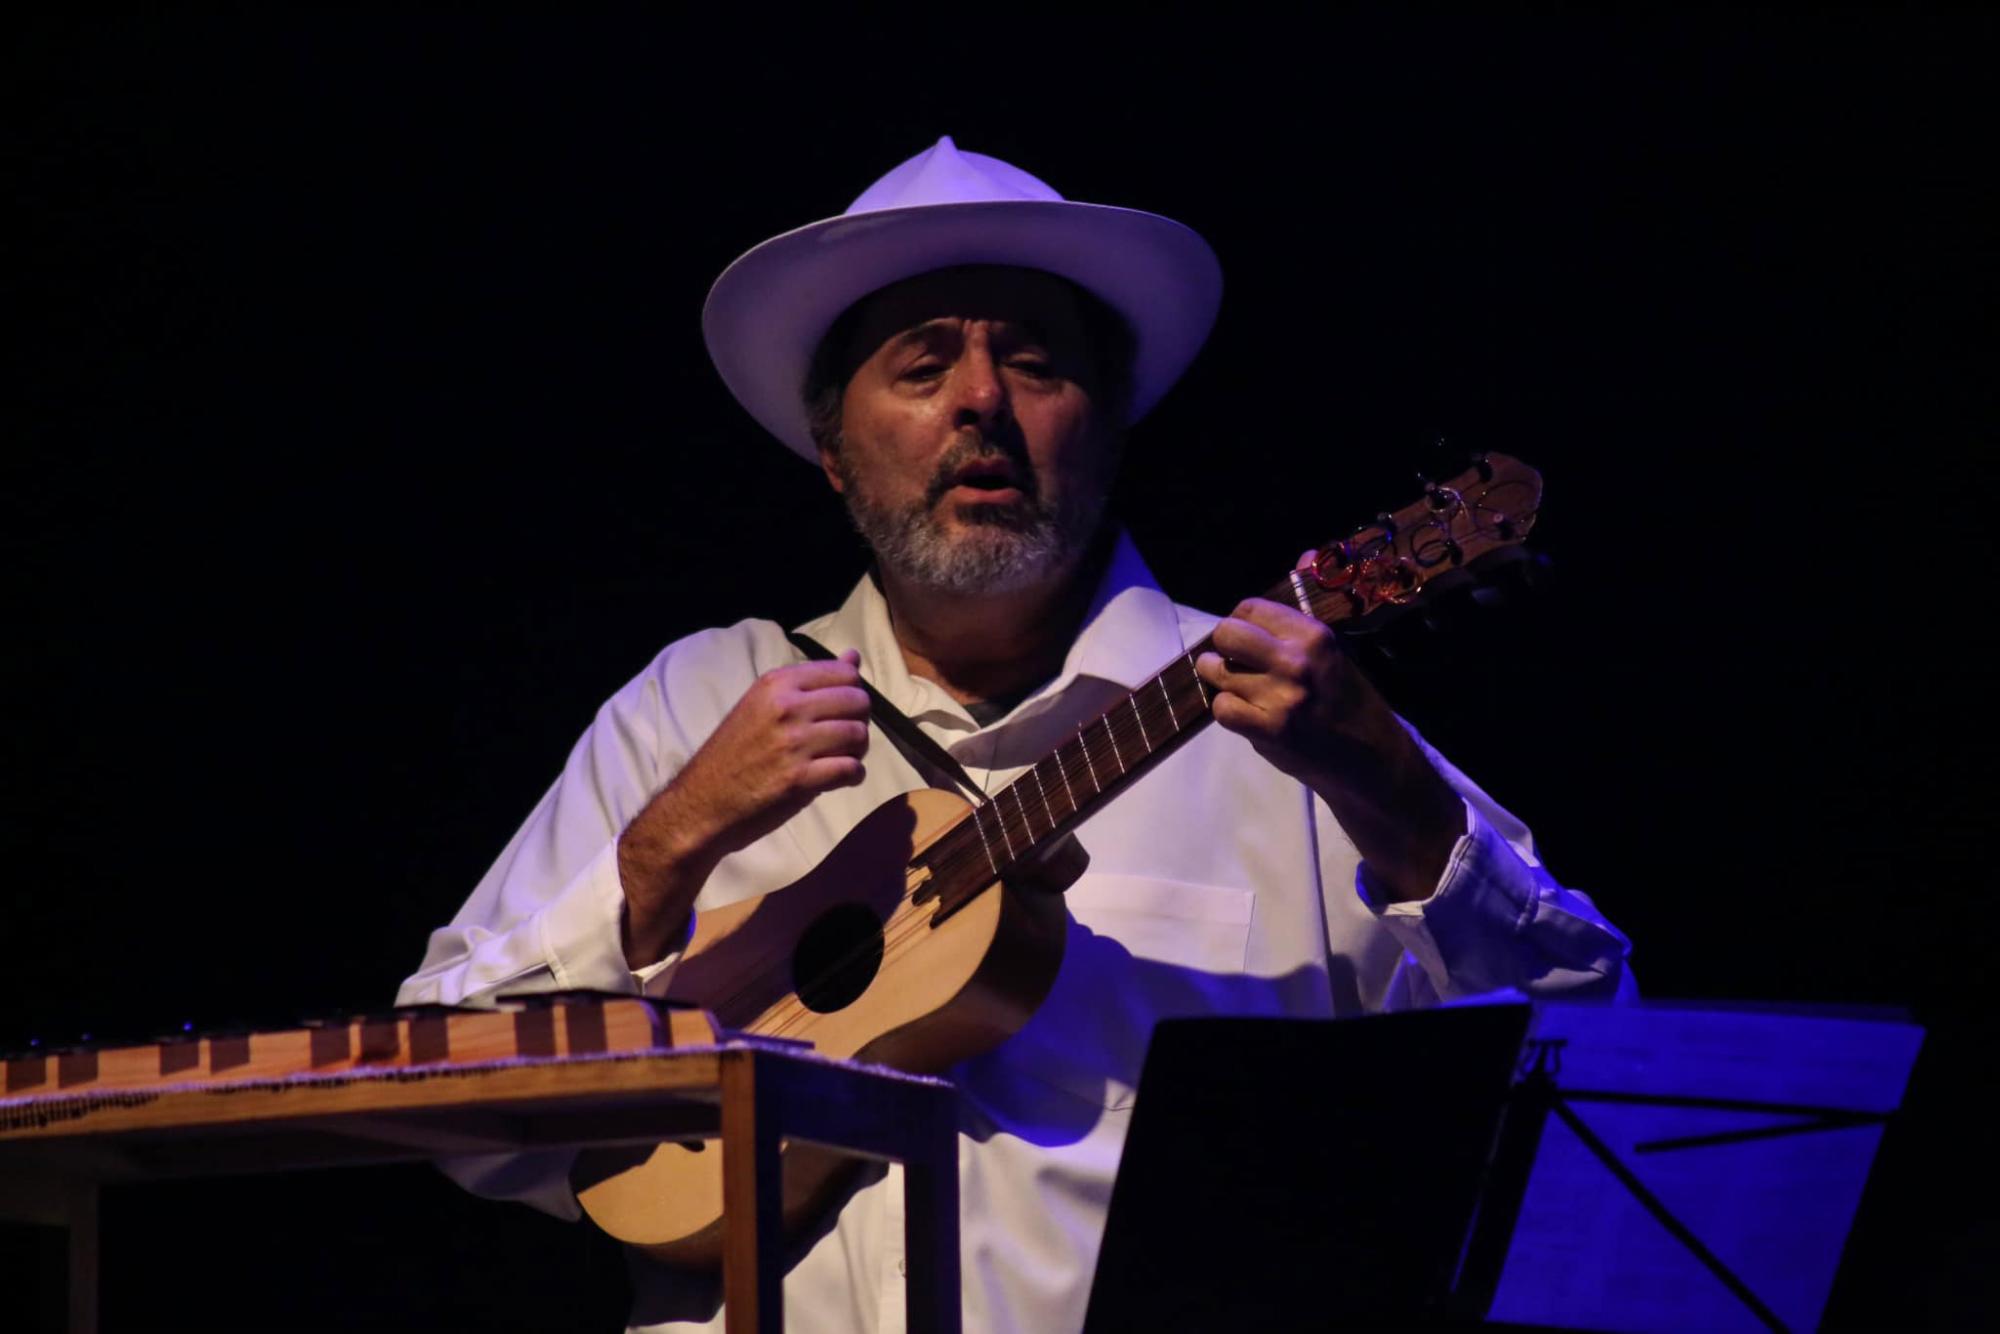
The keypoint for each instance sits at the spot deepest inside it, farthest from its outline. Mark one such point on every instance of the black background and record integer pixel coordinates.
(361, 441)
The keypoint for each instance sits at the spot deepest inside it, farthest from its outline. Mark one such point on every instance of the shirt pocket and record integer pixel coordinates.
(1140, 949)
(1205, 927)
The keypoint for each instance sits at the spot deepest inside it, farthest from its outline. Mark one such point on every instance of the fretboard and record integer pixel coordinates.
(1056, 793)
(1064, 786)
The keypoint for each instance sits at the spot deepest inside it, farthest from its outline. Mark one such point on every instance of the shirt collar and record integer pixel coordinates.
(1131, 631)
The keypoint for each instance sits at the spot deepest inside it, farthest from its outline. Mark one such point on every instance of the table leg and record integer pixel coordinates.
(753, 1215)
(930, 1221)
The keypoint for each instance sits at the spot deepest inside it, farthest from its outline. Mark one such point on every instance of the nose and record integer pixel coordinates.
(979, 387)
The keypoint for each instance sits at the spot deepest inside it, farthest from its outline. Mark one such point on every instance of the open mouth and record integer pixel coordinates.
(993, 479)
(987, 482)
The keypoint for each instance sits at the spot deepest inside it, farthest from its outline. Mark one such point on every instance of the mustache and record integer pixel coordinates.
(969, 452)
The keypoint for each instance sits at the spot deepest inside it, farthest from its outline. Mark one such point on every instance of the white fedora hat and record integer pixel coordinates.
(768, 311)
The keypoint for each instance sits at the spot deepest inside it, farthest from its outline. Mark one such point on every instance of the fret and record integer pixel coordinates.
(1111, 734)
(1299, 592)
(1000, 818)
(1036, 770)
(978, 825)
(1027, 825)
(1076, 752)
(1063, 774)
(1140, 718)
(1161, 682)
(1200, 686)
(1084, 746)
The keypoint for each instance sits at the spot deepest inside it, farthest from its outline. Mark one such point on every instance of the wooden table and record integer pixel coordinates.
(56, 1148)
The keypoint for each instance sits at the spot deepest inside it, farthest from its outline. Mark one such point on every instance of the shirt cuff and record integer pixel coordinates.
(654, 979)
(1383, 905)
(582, 934)
(1482, 897)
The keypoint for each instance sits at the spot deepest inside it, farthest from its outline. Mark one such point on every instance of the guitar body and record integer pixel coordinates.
(848, 960)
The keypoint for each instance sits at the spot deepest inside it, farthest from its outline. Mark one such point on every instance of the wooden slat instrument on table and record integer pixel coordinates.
(64, 1085)
(930, 933)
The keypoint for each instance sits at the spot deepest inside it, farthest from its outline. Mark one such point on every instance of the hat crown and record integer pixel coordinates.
(943, 174)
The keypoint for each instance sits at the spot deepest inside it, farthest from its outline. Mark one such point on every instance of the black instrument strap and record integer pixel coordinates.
(909, 738)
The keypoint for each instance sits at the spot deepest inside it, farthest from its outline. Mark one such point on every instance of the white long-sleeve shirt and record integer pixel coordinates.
(1217, 885)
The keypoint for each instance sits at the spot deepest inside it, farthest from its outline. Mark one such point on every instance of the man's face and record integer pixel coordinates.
(973, 457)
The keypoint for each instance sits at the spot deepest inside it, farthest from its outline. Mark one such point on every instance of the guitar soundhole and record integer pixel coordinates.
(837, 958)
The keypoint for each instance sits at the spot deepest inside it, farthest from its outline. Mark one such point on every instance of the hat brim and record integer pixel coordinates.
(767, 312)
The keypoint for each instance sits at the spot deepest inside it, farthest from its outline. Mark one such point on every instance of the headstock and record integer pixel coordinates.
(1384, 566)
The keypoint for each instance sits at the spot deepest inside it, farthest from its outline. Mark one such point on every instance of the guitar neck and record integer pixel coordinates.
(1065, 786)
(1052, 796)
(1100, 761)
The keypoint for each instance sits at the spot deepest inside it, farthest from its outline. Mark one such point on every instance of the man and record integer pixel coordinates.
(959, 353)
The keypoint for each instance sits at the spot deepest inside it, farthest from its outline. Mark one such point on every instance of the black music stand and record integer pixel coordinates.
(1300, 1174)
(1576, 1166)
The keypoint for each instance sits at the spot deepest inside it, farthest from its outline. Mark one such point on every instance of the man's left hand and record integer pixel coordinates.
(1283, 683)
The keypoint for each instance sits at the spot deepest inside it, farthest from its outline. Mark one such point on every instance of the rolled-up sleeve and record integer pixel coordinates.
(575, 940)
(1497, 920)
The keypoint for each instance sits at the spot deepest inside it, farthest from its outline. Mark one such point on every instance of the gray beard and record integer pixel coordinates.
(1001, 549)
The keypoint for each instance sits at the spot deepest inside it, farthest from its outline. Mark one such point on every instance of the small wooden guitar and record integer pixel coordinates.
(933, 930)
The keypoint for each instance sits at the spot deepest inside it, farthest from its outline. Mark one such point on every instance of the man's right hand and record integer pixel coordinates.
(799, 731)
